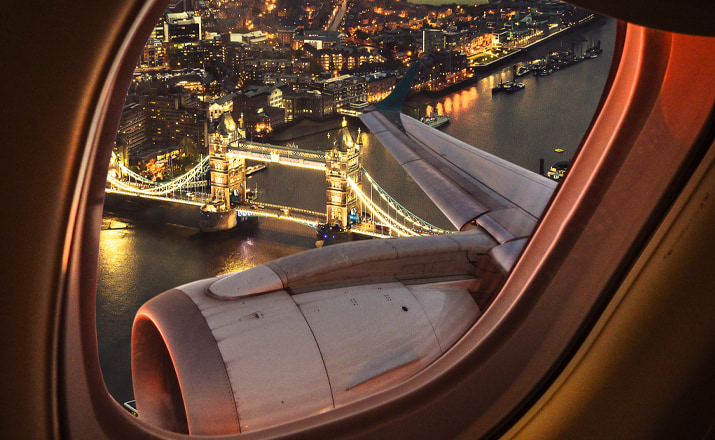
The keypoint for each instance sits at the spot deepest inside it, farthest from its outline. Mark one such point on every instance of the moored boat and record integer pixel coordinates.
(434, 120)
(502, 87)
(557, 170)
(515, 87)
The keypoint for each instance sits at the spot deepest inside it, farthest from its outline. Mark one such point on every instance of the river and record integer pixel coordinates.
(148, 248)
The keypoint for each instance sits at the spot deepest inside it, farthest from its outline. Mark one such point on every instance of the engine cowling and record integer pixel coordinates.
(283, 341)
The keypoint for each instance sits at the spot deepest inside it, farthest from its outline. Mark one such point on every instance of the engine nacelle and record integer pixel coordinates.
(306, 333)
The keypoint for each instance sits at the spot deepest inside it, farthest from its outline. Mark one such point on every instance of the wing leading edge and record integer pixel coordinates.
(465, 183)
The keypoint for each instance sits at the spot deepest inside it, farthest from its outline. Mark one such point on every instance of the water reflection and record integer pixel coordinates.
(448, 105)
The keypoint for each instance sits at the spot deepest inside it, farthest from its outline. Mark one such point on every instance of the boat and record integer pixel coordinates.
(508, 87)
(131, 406)
(330, 234)
(435, 120)
(523, 70)
(544, 71)
(557, 170)
(502, 87)
(559, 150)
(594, 51)
(514, 87)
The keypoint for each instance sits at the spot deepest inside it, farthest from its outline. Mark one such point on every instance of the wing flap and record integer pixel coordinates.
(464, 182)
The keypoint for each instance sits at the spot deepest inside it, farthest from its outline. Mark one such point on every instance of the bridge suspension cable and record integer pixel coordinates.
(131, 174)
(416, 226)
(190, 179)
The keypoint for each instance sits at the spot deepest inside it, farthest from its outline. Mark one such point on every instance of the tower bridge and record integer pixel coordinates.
(285, 155)
(224, 199)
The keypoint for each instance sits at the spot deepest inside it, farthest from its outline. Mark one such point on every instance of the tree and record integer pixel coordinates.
(361, 34)
(315, 68)
(188, 148)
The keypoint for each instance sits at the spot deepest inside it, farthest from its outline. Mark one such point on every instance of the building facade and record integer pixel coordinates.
(345, 89)
(174, 117)
(134, 127)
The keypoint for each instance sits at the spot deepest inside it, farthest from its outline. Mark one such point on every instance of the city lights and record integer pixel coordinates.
(272, 67)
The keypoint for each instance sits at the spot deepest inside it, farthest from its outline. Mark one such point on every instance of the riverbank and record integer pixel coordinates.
(486, 69)
(491, 66)
(304, 128)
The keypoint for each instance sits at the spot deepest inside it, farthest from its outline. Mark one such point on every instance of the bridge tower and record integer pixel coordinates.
(228, 177)
(228, 172)
(340, 163)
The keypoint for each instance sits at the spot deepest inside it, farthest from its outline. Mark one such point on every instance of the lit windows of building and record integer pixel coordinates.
(219, 106)
(182, 27)
(345, 89)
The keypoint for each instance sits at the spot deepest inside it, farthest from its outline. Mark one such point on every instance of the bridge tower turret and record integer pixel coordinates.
(228, 176)
(340, 163)
(228, 172)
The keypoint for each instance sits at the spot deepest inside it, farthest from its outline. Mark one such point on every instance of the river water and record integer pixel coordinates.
(148, 248)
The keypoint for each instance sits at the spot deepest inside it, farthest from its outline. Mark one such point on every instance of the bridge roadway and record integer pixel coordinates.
(312, 218)
(260, 209)
(183, 197)
(251, 209)
(287, 155)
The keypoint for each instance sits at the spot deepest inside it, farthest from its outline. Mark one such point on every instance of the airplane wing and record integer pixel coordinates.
(464, 182)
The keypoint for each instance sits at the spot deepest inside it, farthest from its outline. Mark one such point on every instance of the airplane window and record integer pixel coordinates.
(240, 143)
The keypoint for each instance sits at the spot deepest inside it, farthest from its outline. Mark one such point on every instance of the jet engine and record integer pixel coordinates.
(307, 333)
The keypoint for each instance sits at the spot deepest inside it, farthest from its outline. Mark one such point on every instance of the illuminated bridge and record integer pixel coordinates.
(369, 211)
(285, 155)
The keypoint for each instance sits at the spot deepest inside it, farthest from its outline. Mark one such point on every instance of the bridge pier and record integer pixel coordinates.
(217, 220)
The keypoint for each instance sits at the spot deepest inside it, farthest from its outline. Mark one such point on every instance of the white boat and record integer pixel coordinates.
(435, 120)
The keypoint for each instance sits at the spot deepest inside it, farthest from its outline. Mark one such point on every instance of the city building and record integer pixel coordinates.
(311, 104)
(345, 89)
(341, 163)
(134, 127)
(441, 69)
(183, 55)
(254, 98)
(182, 27)
(285, 34)
(254, 37)
(174, 117)
(154, 53)
(266, 120)
(267, 65)
(318, 39)
(228, 172)
(379, 85)
(432, 39)
(234, 55)
(219, 106)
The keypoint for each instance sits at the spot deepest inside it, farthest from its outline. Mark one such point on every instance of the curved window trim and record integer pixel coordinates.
(512, 347)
